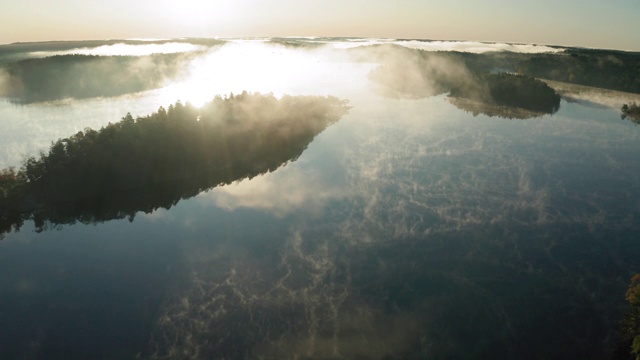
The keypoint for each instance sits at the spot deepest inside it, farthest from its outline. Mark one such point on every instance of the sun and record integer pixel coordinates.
(258, 66)
(197, 17)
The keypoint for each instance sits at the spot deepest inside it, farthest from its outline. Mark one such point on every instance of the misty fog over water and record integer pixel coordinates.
(399, 202)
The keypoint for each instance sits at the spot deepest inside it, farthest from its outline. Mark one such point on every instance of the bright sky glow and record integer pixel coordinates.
(609, 24)
(258, 67)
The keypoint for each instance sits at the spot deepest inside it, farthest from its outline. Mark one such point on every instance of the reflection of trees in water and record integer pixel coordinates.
(406, 298)
(316, 297)
(507, 95)
(154, 161)
(297, 302)
(476, 108)
(477, 253)
(513, 256)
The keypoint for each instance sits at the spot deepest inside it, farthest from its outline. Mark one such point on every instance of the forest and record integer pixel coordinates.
(501, 94)
(606, 69)
(631, 112)
(471, 86)
(86, 76)
(613, 70)
(155, 161)
(404, 72)
(500, 83)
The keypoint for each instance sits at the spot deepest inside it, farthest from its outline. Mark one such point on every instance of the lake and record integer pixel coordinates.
(409, 228)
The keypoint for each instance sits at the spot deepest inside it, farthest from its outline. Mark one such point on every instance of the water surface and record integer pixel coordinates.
(408, 229)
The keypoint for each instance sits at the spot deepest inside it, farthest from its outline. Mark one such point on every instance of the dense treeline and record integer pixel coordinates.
(511, 90)
(491, 110)
(85, 76)
(631, 322)
(417, 73)
(631, 112)
(611, 70)
(154, 161)
(606, 69)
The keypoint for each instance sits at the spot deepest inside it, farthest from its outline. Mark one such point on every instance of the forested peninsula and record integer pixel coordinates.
(154, 161)
(500, 83)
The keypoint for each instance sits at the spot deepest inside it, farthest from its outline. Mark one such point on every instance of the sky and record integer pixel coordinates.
(609, 24)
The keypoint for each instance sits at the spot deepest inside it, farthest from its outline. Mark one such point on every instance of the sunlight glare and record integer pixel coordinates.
(257, 66)
(198, 14)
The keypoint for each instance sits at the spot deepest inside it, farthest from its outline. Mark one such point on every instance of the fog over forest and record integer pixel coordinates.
(318, 198)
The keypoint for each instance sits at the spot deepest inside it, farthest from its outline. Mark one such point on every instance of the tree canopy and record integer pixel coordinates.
(631, 112)
(86, 76)
(512, 91)
(631, 322)
(155, 161)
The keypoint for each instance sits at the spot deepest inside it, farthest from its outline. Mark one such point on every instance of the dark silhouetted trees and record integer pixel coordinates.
(413, 73)
(511, 91)
(631, 112)
(631, 322)
(614, 70)
(468, 78)
(85, 76)
(155, 161)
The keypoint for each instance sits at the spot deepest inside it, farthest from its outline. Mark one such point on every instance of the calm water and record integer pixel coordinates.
(409, 229)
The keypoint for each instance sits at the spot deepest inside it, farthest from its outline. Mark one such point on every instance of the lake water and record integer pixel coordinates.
(408, 229)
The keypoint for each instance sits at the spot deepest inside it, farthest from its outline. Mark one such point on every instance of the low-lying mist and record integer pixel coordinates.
(87, 76)
(419, 74)
(155, 161)
(196, 70)
(407, 230)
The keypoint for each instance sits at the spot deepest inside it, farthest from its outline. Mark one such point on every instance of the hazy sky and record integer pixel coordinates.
(610, 24)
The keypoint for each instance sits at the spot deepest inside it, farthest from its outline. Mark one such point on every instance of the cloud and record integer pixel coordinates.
(462, 46)
(81, 76)
(122, 49)
(475, 47)
(290, 190)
